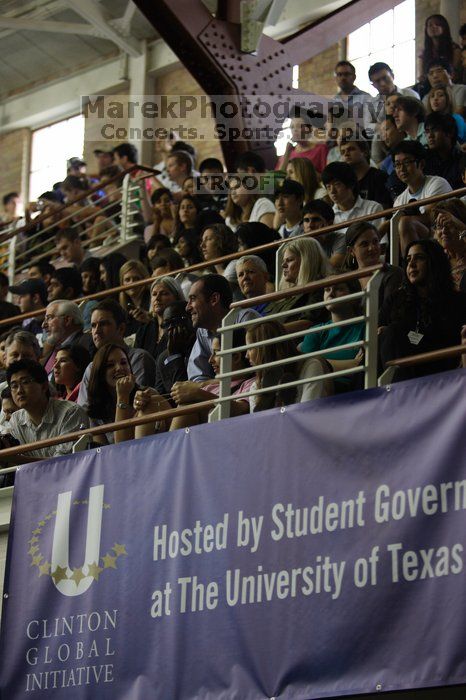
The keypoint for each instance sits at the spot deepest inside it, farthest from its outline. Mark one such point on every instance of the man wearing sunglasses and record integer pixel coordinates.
(172, 363)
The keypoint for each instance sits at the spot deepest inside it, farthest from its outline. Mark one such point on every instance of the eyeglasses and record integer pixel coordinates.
(382, 79)
(400, 164)
(343, 74)
(14, 386)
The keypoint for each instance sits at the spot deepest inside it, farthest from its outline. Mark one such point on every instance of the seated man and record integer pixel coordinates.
(63, 325)
(409, 115)
(39, 416)
(371, 181)
(208, 303)
(409, 158)
(318, 214)
(342, 187)
(65, 283)
(391, 137)
(172, 363)
(289, 200)
(443, 155)
(253, 276)
(32, 295)
(439, 74)
(108, 325)
(41, 271)
(70, 248)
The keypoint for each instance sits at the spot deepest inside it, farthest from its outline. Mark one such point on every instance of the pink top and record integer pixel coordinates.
(317, 155)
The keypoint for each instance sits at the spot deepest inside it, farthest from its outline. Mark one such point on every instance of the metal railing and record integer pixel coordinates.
(254, 250)
(117, 218)
(368, 296)
(412, 360)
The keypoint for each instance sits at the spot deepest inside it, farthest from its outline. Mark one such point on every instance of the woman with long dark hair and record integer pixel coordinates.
(425, 314)
(438, 44)
(111, 391)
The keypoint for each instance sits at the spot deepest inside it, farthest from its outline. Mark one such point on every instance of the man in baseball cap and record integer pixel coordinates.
(32, 296)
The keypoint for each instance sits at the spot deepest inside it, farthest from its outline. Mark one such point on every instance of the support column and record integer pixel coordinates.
(140, 86)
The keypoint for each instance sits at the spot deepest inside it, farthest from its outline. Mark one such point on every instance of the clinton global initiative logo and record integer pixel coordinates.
(73, 581)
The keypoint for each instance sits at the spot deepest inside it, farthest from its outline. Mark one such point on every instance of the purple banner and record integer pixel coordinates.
(303, 553)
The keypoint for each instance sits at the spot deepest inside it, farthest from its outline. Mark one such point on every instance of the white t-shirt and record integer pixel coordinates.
(261, 206)
(432, 185)
(361, 207)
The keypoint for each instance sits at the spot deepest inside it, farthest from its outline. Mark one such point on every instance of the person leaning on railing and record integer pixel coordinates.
(425, 314)
(450, 224)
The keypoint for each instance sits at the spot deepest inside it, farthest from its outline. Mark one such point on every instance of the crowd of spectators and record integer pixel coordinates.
(153, 345)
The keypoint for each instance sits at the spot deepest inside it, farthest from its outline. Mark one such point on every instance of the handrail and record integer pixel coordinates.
(239, 254)
(433, 355)
(106, 428)
(309, 287)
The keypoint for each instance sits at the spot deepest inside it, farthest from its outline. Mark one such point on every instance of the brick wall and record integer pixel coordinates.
(14, 148)
(316, 75)
(181, 82)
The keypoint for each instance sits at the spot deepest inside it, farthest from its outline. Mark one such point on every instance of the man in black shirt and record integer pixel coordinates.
(444, 156)
(371, 181)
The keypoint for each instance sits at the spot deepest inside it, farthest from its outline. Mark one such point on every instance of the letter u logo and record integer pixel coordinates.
(72, 582)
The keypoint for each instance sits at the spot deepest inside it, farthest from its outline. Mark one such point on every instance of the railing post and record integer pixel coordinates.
(278, 265)
(12, 259)
(125, 207)
(372, 322)
(395, 239)
(223, 409)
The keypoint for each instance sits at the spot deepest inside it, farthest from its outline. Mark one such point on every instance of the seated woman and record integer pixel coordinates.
(363, 245)
(450, 222)
(218, 240)
(425, 314)
(150, 336)
(155, 244)
(187, 245)
(302, 143)
(303, 261)
(68, 370)
(254, 234)
(303, 171)
(187, 216)
(243, 206)
(110, 270)
(162, 213)
(134, 301)
(273, 376)
(326, 339)
(440, 99)
(110, 392)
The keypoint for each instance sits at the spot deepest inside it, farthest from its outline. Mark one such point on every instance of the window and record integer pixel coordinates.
(285, 133)
(389, 38)
(52, 146)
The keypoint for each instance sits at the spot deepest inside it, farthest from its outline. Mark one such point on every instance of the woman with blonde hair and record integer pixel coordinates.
(135, 299)
(303, 171)
(302, 260)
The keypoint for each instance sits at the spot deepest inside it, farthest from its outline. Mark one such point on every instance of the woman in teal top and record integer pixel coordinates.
(332, 338)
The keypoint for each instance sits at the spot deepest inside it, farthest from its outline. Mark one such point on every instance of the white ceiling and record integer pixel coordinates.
(93, 31)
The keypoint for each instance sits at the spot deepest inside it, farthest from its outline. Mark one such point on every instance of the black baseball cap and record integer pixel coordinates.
(33, 286)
